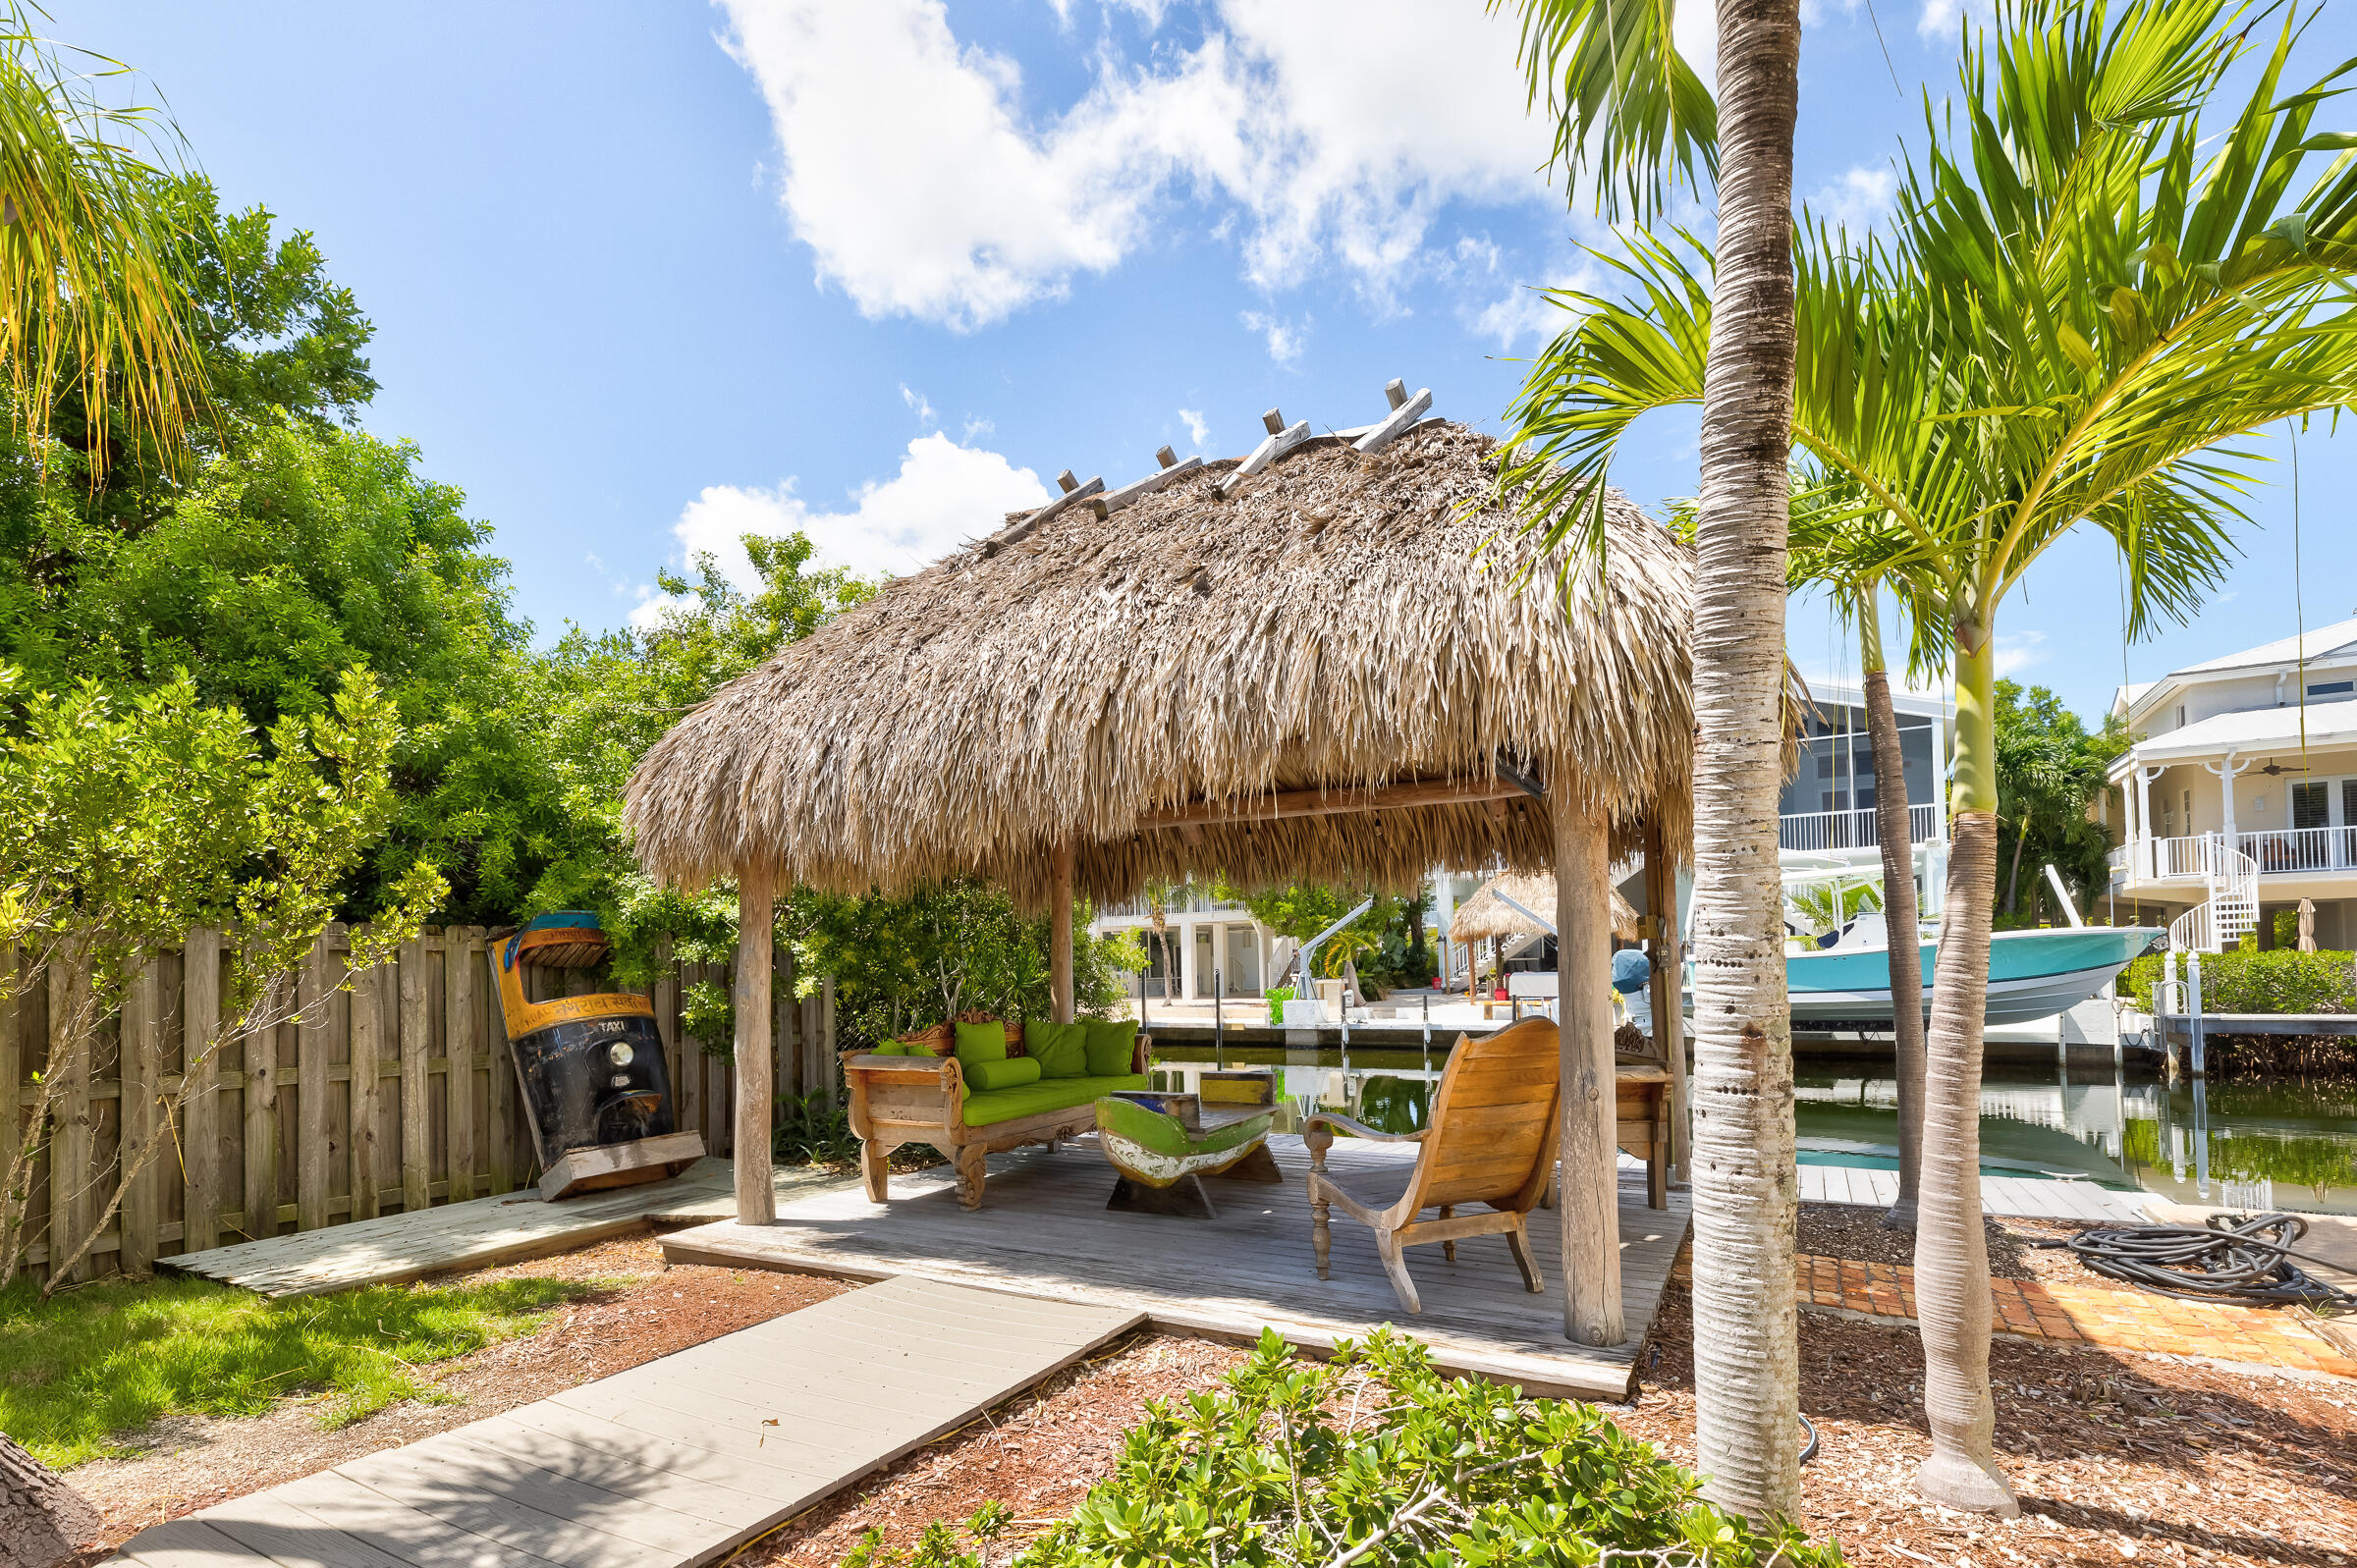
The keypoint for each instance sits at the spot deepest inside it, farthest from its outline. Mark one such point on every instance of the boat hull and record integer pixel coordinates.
(2032, 974)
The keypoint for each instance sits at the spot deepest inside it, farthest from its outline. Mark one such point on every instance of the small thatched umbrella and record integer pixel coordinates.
(1486, 915)
(1337, 660)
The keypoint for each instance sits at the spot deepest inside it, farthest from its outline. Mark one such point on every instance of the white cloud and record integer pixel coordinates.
(1526, 313)
(924, 188)
(1939, 19)
(918, 406)
(2017, 651)
(944, 494)
(980, 425)
(1284, 338)
(1198, 428)
(1857, 200)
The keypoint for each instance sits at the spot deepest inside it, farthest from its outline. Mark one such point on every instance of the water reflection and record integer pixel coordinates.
(2279, 1145)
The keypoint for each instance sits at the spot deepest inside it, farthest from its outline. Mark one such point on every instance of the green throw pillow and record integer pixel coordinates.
(889, 1048)
(981, 1042)
(1111, 1045)
(1060, 1049)
(1000, 1075)
(908, 1050)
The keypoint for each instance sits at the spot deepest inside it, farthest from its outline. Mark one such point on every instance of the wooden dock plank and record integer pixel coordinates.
(607, 1481)
(1045, 1235)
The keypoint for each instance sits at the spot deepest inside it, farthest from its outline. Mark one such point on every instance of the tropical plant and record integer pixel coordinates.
(2049, 770)
(1828, 907)
(128, 819)
(1372, 1458)
(2090, 288)
(1622, 98)
(90, 300)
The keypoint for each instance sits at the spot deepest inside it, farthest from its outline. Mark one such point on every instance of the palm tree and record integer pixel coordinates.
(2078, 311)
(1613, 78)
(89, 303)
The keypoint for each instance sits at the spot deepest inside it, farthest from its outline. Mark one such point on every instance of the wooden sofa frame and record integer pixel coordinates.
(905, 1099)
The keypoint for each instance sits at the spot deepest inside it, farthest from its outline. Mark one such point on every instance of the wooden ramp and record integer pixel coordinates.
(668, 1465)
(475, 1234)
(1044, 1232)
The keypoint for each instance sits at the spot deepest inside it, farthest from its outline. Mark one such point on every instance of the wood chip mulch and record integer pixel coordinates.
(196, 1462)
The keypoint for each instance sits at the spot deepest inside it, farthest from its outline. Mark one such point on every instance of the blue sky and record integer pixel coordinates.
(647, 277)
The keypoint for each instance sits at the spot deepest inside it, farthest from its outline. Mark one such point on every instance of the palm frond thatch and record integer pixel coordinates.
(1343, 621)
(1486, 915)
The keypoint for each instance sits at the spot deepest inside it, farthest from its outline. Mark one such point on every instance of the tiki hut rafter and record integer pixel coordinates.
(1338, 660)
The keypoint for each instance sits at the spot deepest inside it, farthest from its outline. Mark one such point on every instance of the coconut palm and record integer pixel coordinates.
(1613, 80)
(90, 304)
(2083, 304)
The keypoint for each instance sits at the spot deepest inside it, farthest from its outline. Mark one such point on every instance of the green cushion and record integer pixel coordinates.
(1037, 1099)
(1002, 1074)
(908, 1050)
(889, 1048)
(1060, 1049)
(1111, 1044)
(981, 1042)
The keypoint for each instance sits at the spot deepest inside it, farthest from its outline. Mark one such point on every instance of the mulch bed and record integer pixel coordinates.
(196, 1462)
(1848, 1230)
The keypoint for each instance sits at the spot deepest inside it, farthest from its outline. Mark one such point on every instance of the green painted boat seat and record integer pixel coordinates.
(984, 1107)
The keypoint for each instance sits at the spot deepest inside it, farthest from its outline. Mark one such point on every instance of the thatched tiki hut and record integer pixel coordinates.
(1333, 659)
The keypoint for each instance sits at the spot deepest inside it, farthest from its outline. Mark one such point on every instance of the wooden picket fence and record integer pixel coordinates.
(395, 1094)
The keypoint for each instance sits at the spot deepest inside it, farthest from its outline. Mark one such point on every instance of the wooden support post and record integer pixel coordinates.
(1060, 933)
(416, 1047)
(367, 1054)
(1590, 1204)
(204, 1130)
(140, 1071)
(505, 1086)
(317, 1150)
(1669, 989)
(756, 1200)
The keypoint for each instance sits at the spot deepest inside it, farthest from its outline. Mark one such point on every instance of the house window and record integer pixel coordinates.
(2311, 805)
(2332, 689)
(2188, 798)
(2180, 724)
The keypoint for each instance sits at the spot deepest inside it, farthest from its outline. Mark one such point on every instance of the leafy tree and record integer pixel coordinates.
(2048, 771)
(128, 818)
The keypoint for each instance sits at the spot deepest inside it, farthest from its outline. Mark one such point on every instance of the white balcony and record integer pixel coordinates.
(2279, 851)
(1812, 831)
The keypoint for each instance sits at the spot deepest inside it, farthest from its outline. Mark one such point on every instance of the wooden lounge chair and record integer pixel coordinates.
(1492, 1141)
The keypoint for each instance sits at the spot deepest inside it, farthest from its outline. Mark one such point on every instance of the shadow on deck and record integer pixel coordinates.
(1044, 1231)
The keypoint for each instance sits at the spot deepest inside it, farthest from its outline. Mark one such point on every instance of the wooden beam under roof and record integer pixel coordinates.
(1335, 802)
(1172, 468)
(1280, 439)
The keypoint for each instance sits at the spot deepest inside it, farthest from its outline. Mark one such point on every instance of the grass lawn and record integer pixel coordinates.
(84, 1369)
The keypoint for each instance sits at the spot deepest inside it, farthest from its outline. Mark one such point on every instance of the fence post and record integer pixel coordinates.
(203, 1131)
(503, 1085)
(139, 1069)
(367, 1083)
(70, 1149)
(462, 1034)
(416, 1175)
(315, 1143)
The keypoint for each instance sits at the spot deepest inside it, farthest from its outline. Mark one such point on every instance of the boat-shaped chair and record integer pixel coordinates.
(1491, 1143)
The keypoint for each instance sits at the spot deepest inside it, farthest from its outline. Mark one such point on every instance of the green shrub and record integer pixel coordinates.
(1279, 995)
(2281, 981)
(1375, 1460)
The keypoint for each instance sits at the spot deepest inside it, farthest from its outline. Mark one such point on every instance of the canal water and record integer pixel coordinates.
(2285, 1145)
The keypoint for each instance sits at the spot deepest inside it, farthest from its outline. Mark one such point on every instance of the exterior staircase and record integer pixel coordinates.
(2232, 911)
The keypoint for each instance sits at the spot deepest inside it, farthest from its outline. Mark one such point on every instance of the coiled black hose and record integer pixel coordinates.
(2239, 1258)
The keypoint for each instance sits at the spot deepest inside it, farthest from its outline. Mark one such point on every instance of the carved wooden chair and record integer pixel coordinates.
(1492, 1141)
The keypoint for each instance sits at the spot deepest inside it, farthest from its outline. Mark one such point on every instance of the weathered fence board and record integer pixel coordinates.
(398, 1093)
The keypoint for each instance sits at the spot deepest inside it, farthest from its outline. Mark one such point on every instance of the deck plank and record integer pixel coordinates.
(1045, 1236)
(613, 1474)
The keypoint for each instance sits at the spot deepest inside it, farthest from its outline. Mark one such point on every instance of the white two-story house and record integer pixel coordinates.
(1827, 819)
(2240, 793)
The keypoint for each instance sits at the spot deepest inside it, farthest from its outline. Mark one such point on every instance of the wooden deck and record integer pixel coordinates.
(475, 1234)
(2028, 1197)
(668, 1465)
(1044, 1232)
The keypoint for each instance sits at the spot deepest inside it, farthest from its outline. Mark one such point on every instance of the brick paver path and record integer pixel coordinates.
(2094, 1315)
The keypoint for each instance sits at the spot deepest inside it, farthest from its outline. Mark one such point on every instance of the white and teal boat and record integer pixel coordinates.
(2032, 974)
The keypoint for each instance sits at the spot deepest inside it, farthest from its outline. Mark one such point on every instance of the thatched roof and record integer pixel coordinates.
(1334, 622)
(1485, 915)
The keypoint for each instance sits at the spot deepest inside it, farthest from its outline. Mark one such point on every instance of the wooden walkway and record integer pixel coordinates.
(1044, 1232)
(475, 1234)
(2026, 1197)
(668, 1465)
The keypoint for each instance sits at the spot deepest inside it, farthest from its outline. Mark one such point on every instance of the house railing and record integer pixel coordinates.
(1850, 830)
(2275, 852)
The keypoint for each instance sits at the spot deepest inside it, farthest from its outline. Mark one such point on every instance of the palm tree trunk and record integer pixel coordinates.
(2021, 835)
(1891, 822)
(1746, 1356)
(1951, 1248)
